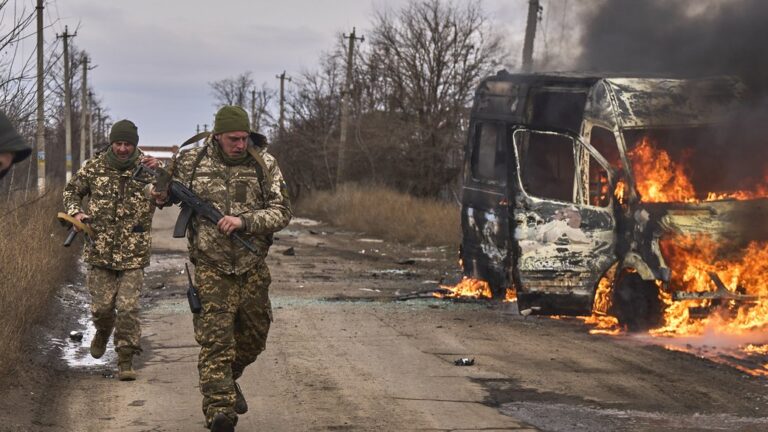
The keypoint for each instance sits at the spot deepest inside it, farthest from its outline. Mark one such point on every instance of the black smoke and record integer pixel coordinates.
(665, 37)
(680, 38)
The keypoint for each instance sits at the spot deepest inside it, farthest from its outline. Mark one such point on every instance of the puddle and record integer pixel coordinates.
(161, 263)
(556, 417)
(77, 354)
(304, 221)
(393, 272)
(431, 249)
(288, 233)
(280, 302)
(370, 240)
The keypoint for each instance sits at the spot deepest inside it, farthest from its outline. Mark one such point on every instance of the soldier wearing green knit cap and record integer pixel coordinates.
(234, 172)
(12, 147)
(120, 216)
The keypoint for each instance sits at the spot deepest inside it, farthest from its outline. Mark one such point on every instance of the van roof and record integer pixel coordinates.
(638, 101)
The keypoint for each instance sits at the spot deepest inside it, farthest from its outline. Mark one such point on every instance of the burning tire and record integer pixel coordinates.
(636, 302)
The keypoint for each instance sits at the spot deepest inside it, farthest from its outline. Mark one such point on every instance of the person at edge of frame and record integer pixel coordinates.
(12, 147)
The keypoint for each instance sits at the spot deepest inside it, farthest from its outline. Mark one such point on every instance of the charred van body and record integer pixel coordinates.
(550, 201)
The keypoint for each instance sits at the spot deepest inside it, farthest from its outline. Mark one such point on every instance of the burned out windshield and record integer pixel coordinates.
(695, 164)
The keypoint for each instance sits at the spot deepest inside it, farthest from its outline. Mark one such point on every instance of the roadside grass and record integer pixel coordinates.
(32, 266)
(387, 214)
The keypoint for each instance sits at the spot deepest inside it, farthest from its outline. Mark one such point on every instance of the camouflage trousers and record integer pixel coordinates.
(231, 330)
(115, 305)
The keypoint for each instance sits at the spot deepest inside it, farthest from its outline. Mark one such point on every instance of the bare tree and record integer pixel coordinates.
(233, 91)
(309, 146)
(428, 57)
(260, 104)
(411, 92)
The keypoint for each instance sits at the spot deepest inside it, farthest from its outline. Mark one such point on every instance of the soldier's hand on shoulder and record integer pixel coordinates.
(229, 224)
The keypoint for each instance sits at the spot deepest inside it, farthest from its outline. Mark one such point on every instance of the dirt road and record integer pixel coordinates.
(344, 356)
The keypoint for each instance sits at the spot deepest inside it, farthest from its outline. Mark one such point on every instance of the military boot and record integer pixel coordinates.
(241, 406)
(125, 370)
(222, 423)
(99, 344)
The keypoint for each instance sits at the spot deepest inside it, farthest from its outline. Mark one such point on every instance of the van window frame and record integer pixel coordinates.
(501, 157)
(578, 169)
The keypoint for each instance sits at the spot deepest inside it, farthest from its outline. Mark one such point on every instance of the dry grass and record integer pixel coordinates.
(388, 214)
(33, 264)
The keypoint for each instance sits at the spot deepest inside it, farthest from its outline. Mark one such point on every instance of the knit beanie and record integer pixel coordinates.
(231, 119)
(11, 141)
(124, 130)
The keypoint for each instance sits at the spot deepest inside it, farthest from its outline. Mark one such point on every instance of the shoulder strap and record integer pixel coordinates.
(199, 158)
(262, 164)
(265, 179)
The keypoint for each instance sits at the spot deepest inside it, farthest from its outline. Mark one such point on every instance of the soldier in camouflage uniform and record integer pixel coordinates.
(120, 214)
(246, 185)
(12, 147)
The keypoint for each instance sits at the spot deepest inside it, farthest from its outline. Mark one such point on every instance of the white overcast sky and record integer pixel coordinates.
(155, 58)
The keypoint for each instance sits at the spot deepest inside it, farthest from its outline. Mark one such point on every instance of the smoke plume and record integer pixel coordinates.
(683, 38)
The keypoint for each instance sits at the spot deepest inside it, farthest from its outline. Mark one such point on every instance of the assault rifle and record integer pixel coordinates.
(190, 204)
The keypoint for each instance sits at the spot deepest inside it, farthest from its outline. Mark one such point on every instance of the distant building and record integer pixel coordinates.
(160, 152)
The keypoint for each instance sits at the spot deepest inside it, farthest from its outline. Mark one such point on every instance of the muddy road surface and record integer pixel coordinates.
(344, 355)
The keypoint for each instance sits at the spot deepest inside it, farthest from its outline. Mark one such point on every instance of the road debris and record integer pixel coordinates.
(290, 251)
(427, 293)
(530, 310)
(464, 361)
(76, 336)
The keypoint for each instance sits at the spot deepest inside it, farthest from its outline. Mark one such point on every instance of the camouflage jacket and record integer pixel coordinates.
(260, 201)
(121, 214)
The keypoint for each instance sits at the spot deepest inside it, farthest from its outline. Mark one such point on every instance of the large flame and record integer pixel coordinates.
(660, 179)
(693, 261)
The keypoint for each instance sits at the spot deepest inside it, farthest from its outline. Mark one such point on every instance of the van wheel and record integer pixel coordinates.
(636, 302)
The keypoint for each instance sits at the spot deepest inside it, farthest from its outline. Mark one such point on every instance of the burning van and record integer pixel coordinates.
(580, 186)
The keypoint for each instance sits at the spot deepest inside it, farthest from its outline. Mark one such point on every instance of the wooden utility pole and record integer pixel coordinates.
(67, 103)
(99, 127)
(90, 124)
(40, 135)
(281, 120)
(346, 95)
(534, 9)
(83, 111)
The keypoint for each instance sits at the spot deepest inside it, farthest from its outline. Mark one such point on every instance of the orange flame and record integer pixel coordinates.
(660, 179)
(602, 322)
(742, 271)
(468, 287)
(510, 295)
(620, 191)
